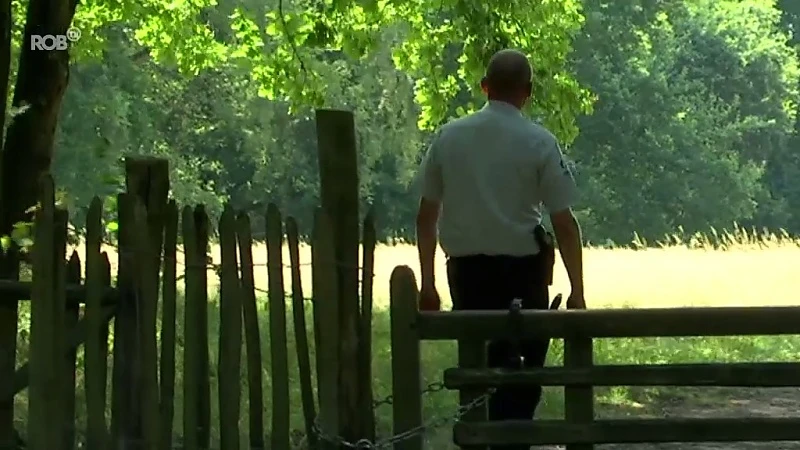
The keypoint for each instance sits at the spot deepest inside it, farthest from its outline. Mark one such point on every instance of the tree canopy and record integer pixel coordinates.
(676, 115)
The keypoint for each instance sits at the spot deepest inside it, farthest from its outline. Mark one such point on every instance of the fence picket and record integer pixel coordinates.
(168, 312)
(192, 344)
(366, 395)
(95, 364)
(300, 333)
(44, 393)
(230, 334)
(252, 333)
(73, 276)
(277, 330)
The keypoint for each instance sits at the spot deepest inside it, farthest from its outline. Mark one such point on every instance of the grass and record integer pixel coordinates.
(732, 269)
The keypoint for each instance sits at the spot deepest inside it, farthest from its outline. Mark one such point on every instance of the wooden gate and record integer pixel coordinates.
(579, 430)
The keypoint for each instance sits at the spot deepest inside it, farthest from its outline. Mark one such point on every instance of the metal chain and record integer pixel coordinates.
(438, 422)
(432, 388)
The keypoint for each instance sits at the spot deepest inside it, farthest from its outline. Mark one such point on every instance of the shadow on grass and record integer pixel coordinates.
(438, 356)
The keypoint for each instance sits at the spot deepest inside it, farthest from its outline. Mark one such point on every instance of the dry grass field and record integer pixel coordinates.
(748, 272)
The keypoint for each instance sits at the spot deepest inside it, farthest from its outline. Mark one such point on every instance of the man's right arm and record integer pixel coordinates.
(559, 194)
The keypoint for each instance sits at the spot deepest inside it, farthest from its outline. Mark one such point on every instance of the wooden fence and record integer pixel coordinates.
(579, 430)
(138, 412)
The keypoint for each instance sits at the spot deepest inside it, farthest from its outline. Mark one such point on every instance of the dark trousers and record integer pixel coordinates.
(493, 282)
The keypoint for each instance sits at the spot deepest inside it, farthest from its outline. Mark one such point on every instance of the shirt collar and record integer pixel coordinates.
(502, 107)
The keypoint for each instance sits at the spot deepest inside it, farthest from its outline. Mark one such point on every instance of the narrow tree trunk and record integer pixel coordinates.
(27, 151)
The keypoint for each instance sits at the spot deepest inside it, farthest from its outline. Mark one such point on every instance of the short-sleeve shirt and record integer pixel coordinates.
(492, 171)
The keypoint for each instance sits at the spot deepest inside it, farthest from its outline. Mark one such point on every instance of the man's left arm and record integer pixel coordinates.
(432, 189)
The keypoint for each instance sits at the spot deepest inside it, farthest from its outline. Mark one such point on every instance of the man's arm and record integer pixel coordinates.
(432, 188)
(570, 245)
(559, 194)
(427, 240)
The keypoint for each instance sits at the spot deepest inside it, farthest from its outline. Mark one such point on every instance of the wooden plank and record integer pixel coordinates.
(202, 228)
(125, 416)
(230, 334)
(279, 353)
(255, 386)
(366, 396)
(326, 310)
(169, 292)
(75, 293)
(301, 333)
(406, 365)
(339, 196)
(630, 431)
(95, 362)
(147, 293)
(191, 331)
(73, 275)
(605, 323)
(579, 400)
(45, 392)
(724, 375)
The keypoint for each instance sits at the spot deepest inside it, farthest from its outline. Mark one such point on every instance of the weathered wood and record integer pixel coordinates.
(46, 389)
(192, 345)
(326, 311)
(168, 323)
(125, 405)
(202, 227)
(66, 356)
(366, 395)
(95, 351)
(726, 375)
(338, 174)
(579, 400)
(603, 323)
(73, 275)
(279, 353)
(301, 333)
(406, 365)
(230, 334)
(255, 386)
(551, 432)
(75, 293)
(147, 179)
(147, 290)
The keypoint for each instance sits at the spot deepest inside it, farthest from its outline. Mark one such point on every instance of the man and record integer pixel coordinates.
(488, 174)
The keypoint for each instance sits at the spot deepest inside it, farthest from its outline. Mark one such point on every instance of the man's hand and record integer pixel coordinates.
(429, 299)
(576, 301)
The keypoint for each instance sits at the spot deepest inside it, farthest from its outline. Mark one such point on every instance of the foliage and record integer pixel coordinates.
(693, 124)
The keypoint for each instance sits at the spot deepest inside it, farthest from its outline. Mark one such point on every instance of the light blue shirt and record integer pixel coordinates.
(492, 171)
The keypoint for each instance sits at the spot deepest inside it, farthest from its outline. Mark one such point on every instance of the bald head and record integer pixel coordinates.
(508, 75)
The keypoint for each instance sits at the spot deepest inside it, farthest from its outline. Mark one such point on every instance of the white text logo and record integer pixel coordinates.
(55, 42)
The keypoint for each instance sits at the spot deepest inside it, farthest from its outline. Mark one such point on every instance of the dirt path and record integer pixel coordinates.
(719, 403)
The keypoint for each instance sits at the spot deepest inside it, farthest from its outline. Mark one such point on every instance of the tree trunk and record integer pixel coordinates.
(28, 150)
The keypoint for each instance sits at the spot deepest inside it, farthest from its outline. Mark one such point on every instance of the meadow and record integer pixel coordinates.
(733, 269)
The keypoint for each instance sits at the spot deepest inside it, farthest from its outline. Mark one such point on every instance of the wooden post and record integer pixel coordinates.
(338, 175)
(579, 400)
(147, 182)
(406, 366)
(326, 332)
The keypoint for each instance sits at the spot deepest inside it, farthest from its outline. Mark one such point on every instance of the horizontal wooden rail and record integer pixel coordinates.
(75, 339)
(557, 432)
(727, 375)
(76, 293)
(611, 323)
